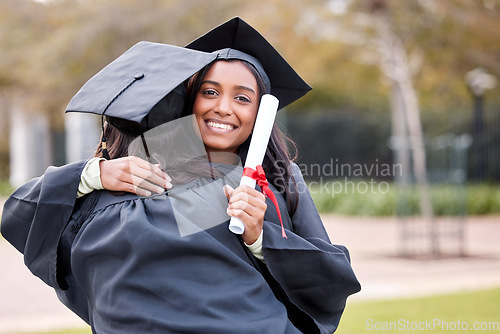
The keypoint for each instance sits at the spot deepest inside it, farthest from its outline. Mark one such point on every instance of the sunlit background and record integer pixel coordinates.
(399, 138)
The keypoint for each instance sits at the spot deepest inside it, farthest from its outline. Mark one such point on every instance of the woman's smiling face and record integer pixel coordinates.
(226, 106)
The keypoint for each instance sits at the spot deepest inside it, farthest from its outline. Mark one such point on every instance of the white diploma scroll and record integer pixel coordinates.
(258, 145)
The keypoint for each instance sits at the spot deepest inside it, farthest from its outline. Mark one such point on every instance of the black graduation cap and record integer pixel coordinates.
(142, 88)
(236, 39)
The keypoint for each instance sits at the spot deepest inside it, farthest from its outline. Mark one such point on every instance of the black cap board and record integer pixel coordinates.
(236, 35)
(142, 88)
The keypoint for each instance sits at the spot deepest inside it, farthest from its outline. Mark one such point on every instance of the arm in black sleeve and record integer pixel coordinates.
(35, 215)
(315, 275)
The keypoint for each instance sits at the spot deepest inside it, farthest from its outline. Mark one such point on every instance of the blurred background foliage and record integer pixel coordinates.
(49, 49)
(447, 200)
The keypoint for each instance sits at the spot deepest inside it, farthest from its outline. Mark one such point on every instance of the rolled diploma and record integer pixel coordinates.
(258, 145)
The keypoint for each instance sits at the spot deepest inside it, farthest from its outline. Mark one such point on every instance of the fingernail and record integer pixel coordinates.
(148, 193)
(228, 212)
(168, 185)
(168, 178)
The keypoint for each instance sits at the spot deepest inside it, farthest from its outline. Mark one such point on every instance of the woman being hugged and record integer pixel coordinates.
(125, 265)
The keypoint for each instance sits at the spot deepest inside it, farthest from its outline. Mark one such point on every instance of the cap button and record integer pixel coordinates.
(139, 76)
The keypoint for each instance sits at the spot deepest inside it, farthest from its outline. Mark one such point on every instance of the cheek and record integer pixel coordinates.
(202, 105)
(250, 120)
(247, 129)
(197, 108)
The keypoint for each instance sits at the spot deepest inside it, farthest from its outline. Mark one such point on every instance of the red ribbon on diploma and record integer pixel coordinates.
(259, 176)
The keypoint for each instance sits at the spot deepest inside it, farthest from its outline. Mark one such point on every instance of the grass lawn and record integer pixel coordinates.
(439, 314)
(456, 313)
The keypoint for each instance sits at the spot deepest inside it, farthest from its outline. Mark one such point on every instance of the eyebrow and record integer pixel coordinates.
(237, 87)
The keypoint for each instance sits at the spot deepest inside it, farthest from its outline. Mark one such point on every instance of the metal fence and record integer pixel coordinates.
(344, 138)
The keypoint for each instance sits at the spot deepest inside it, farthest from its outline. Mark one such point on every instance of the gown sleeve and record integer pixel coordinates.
(35, 215)
(314, 275)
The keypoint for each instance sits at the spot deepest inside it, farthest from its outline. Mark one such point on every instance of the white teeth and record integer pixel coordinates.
(220, 126)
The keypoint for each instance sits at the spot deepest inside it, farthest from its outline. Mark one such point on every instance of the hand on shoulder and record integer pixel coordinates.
(133, 175)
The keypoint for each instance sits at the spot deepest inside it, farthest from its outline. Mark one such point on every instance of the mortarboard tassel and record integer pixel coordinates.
(105, 153)
(104, 147)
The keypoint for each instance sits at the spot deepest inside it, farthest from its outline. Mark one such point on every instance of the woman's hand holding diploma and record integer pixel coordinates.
(249, 206)
(258, 145)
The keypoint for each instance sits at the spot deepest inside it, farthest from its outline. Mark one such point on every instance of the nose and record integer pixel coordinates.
(223, 106)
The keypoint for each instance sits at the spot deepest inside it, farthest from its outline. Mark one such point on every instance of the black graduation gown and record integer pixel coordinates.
(126, 265)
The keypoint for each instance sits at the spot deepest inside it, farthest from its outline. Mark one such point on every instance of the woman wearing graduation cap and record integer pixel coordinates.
(125, 265)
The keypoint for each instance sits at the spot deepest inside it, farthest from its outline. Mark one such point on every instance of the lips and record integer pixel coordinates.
(220, 125)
